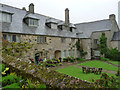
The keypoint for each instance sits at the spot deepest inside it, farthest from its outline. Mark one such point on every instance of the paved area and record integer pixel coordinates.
(75, 65)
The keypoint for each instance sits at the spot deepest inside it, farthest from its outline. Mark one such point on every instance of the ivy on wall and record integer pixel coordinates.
(80, 49)
(14, 48)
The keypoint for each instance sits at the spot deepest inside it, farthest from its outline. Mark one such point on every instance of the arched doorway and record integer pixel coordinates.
(57, 54)
(37, 55)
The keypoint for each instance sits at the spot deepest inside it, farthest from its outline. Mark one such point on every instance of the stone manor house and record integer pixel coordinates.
(55, 38)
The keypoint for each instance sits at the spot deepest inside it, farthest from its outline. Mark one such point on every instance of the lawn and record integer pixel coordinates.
(115, 62)
(99, 64)
(77, 72)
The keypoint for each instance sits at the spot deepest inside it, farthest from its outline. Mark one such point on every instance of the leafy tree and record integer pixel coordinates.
(103, 44)
(80, 49)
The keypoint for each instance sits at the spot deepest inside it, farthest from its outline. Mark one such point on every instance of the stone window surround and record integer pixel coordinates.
(12, 37)
(42, 39)
(96, 41)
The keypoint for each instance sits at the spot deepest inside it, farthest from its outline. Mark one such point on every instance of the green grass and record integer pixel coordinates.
(99, 64)
(115, 62)
(77, 72)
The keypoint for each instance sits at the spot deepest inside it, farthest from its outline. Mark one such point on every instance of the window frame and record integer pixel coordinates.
(31, 22)
(7, 36)
(4, 17)
(42, 39)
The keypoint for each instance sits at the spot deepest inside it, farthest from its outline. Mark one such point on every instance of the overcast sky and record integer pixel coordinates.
(80, 10)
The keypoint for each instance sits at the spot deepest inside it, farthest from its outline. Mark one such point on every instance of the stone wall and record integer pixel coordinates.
(49, 77)
(53, 44)
(86, 44)
(97, 35)
(115, 44)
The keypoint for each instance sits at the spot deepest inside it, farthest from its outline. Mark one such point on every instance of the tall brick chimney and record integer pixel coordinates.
(67, 16)
(112, 16)
(31, 8)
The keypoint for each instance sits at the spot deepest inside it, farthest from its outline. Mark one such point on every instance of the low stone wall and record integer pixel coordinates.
(43, 74)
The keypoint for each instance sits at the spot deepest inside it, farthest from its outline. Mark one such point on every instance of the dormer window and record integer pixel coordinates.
(72, 29)
(51, 23)
(5, 17)
(33, 22)
(62, 27)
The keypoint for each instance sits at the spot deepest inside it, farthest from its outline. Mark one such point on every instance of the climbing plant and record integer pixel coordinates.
(14, 48)
(80, 49)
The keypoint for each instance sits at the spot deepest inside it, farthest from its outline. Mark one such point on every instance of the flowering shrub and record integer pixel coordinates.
(118, 73)
(31, 60)
(106, 81)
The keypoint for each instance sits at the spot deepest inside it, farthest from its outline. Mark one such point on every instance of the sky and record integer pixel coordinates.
(79, 10)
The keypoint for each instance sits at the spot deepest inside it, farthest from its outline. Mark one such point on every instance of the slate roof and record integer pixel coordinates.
(83, 30)
(89, 27)
(18, 26)
(116, 36)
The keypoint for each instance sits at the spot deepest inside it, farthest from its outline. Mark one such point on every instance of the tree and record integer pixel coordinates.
(103, 44)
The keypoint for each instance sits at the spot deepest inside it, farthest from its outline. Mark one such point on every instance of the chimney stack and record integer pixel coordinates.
(112, 17)
(67, 16)
(31, 8)
(24, 8)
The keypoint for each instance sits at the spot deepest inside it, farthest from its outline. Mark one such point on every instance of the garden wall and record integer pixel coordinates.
(43, 74)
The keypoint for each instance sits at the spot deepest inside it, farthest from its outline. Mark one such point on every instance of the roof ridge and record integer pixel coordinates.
(92, 21)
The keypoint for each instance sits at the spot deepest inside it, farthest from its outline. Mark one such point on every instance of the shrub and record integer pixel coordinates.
(64, 59)
(81, 59)
(3, 67)
(42, 86)
(106, 59)
(106, 81)
(118, 73)
(113, 54)
(7, 80)
(14, 85)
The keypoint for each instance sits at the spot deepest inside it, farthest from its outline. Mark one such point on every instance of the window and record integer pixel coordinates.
(64, 53)
(37, 38)
(96, 41)
(73, 52)
(62, 40)
(53, 25)
(18, 38)
(45, 39)
(41, 39)
(5, 17)
(9, 38)
(4, 36)
(33, 22)
(69, 52)
(14, 38)
(72, 29)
